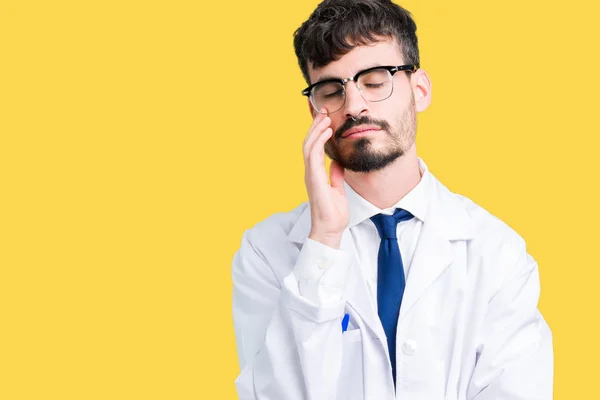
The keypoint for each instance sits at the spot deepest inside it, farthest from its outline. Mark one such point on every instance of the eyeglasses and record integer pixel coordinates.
(374, 84)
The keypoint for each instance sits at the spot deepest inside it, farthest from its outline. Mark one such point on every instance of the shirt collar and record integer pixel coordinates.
(416, 201)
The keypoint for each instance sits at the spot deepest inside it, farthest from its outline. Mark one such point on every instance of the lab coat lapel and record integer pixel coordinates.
(447, 220)
(432, 255)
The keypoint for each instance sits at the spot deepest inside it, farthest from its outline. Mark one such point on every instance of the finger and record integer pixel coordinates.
(318, 117)
(316, 155)
(336, 173)
(323, 115)
(315, 133)
(318, 120)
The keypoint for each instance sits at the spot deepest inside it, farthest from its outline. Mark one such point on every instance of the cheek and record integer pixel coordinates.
(336, 122)
(397, 107)
(402, 95)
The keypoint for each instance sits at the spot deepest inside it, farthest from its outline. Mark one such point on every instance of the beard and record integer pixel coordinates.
(359, 156)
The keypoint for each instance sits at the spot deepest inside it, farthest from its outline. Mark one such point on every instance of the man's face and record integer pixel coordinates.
(393, 119)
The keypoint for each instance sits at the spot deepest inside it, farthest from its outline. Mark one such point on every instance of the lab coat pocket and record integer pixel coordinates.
(350, 382)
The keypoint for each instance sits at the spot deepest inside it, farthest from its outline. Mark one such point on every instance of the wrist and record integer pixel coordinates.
(331, 240)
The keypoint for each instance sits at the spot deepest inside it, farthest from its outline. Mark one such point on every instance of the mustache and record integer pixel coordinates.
(364, 120)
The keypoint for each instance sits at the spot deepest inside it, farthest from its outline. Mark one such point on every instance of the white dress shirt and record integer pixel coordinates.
(322, 271)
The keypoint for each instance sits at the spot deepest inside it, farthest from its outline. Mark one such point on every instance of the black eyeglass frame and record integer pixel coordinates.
(392, 70)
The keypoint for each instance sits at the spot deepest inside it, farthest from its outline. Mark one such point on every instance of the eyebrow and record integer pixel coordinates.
(331, 77)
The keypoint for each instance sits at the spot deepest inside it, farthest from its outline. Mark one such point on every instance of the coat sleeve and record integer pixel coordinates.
(515, 357)
(288, 347)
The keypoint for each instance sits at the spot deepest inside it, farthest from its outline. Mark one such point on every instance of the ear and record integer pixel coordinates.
(421, 85)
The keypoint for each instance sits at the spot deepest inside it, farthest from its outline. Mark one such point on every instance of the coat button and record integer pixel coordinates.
(409, 347)
(322, 264)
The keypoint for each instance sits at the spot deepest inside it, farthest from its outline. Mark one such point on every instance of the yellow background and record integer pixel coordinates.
(138, 139)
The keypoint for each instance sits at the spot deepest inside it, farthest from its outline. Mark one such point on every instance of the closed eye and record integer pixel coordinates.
(373, 85)
(334, 94)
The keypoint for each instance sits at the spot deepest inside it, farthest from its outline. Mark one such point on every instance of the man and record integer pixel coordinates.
(385, 285)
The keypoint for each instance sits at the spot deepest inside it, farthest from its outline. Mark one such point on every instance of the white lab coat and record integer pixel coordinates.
(469, 327)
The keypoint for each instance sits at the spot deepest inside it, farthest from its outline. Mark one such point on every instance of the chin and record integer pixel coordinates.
(369, 161)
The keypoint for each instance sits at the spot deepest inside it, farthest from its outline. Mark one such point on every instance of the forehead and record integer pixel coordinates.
(383, 52)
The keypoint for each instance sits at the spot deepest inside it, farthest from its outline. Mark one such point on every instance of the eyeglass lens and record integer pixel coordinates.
(375, 85)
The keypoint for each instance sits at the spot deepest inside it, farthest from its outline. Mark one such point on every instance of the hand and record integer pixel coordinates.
(328, 203)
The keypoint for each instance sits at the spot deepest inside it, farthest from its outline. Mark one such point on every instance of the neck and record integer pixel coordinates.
(386, 187)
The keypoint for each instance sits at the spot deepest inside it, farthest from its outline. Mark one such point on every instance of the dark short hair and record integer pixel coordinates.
(337, 26)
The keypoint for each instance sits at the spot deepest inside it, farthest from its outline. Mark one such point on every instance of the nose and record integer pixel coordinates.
(355, 104)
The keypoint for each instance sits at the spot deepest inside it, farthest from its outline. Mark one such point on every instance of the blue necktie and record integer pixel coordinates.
(390, 277)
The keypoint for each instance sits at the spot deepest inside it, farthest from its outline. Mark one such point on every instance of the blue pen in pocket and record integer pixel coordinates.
(345, 322)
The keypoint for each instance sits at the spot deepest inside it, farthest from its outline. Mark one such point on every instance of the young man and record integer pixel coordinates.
(385, 285)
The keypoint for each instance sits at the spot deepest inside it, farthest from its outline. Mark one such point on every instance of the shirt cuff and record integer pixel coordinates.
(322, 272)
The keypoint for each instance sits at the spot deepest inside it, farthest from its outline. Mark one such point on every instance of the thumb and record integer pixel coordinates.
(336, 173)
